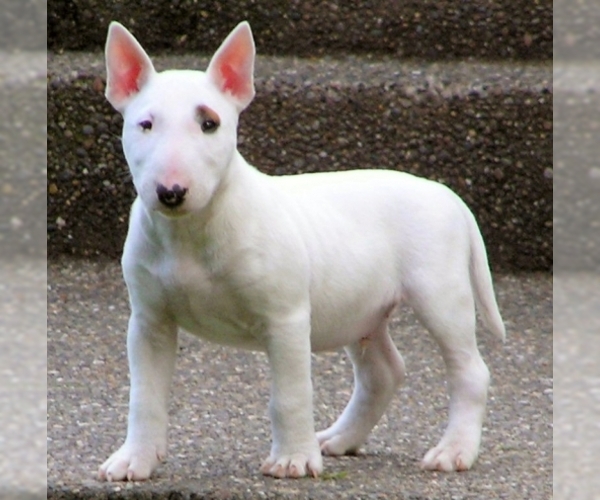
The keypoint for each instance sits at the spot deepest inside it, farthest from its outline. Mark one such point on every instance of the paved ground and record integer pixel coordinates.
(22, 380)
(576, 248)
(219, 430)
(577, 415)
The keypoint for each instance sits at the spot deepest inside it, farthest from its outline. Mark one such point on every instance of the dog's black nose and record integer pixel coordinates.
(171, 197)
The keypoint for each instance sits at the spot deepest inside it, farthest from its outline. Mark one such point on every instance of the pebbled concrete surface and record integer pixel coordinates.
(577, 410)
(23, 249)
(23, 153)
(23, 25)
(577, 250)
(577, 30)
(577, 168)
(219, 430)
(22, 378)
(424, 29)
(484, 129)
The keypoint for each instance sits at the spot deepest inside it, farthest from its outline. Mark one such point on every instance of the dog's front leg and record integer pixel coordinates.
(151, 349)
(295, 450)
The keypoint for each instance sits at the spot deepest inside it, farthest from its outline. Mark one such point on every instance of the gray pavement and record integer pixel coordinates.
(22, 380)
(577, 370)
(219, 431)
(577, 249)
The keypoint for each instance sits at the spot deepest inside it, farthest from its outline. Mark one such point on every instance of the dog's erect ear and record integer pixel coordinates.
(232, 66)
(128, 67)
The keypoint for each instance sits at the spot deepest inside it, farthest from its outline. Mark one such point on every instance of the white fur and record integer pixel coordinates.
(284, 265)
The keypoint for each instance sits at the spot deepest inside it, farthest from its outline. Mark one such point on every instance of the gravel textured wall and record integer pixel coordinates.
(23, 25)
(576, 153)
(576, 146)
(577, 26)
(485, 130)
(460, 92)
(430, 29)
(22, 154)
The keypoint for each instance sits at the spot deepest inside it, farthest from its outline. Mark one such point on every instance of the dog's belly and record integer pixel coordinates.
(334, 324)
(352, 311)
(331, 334)
(331, 328)
(222, 332)
(337, 318)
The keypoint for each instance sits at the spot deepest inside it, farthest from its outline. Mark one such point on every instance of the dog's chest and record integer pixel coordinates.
(205, 304)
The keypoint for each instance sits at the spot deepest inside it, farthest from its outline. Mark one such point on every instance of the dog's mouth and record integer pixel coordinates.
(171, 212)
(153, 206)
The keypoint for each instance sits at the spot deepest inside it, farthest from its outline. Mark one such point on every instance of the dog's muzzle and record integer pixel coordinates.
(171, 197)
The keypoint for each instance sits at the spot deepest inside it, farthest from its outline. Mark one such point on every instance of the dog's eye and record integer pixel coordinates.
(146, 125)
(208, 125)
(207, 118)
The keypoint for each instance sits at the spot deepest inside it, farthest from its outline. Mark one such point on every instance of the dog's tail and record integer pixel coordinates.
(481, 280)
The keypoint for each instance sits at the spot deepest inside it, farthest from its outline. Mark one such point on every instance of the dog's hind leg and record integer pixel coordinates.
(446, 308)
(378, 371)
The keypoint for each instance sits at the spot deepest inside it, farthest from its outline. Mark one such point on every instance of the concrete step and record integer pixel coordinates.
(483, 129)
(577, 30)
(23, 153)
(426, 29)
(576, 146)
(23, 25)
(576, 154)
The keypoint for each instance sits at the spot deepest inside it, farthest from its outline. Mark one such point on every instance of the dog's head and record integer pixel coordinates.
(180, 126)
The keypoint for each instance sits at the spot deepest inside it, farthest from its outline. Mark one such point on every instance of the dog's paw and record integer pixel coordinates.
(338, 443)
(450, 456)
(293, 466)
(131, 463)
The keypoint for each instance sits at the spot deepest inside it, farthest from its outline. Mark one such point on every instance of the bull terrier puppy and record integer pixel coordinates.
(284, 265)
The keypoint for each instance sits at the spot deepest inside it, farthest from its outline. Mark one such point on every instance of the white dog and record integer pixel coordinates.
(285, 265)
